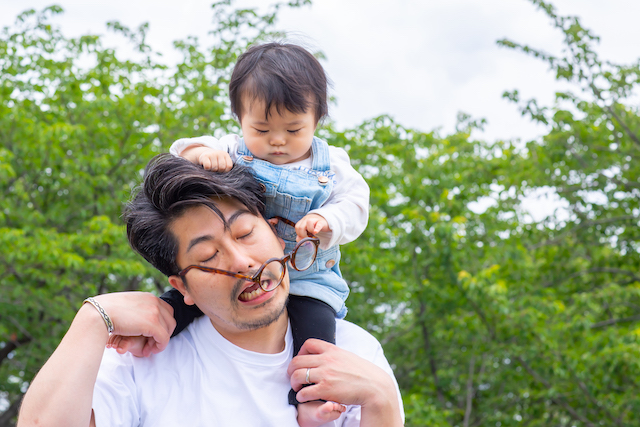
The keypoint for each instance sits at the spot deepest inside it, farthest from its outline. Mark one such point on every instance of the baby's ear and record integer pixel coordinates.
(178, 284)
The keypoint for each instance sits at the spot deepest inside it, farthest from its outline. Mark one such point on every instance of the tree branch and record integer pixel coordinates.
(7, 416)
(579, 226)
(614, 321)
(467, 411)
(559, 399)
(426, 337)
(594, 270)
(613, 114)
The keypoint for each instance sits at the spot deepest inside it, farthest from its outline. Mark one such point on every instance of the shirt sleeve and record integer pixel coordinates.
(115, 402)
(228, 143)
(347, 208)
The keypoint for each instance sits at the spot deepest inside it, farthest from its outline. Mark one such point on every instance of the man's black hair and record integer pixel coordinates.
(172, 185)
(284, 76)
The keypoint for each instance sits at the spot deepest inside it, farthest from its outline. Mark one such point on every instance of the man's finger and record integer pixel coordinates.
(314, 346)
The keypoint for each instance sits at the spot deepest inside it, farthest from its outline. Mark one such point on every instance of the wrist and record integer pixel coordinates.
(381, 407)
(105, 317)
(89, 320)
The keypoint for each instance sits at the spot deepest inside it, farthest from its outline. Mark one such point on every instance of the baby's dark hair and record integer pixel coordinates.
(171, 186)
(283, 75)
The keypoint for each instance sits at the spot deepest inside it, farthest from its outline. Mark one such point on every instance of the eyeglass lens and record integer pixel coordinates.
(271, 275)
(304, 255)
(301, 259)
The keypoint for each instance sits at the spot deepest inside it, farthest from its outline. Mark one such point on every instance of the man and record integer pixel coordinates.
(233, 366)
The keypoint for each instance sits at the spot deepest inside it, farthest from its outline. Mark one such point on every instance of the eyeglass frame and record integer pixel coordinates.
(256, 277)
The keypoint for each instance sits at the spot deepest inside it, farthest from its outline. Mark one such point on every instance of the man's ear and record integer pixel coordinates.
(178, 284)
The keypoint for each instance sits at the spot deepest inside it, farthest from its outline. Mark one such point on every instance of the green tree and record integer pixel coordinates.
(77, 125)
(489, 317)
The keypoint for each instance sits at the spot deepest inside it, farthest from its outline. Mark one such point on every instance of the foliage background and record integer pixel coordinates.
(488, 317)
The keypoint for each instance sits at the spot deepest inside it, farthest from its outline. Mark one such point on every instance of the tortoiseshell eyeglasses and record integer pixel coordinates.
(300, 258)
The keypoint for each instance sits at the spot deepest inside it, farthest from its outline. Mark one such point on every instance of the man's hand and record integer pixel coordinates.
(340, 376)
(208, 158)
(138, 346)
(143, 322)
(311, 224)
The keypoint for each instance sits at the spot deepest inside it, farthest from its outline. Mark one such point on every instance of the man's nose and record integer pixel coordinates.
(240, 260)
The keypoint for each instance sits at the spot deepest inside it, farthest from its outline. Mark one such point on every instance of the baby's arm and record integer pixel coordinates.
(210, 159)
(211, 153)
(346, 211)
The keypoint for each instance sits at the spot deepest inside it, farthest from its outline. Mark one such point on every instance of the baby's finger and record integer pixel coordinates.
(206, 163)
(317, 228)
(228, 164)
(114, 341)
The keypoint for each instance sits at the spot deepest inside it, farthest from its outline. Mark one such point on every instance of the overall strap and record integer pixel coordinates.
(320, 150)
(242, 149)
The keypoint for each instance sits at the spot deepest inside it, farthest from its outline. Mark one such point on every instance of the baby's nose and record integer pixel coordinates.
(277, 140)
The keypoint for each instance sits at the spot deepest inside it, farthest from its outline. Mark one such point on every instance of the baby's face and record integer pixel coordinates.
(279, 138)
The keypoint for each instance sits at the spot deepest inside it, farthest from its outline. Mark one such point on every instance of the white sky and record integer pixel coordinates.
(420, 61)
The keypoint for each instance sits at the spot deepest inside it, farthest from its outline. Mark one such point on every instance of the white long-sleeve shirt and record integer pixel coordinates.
(347, 208)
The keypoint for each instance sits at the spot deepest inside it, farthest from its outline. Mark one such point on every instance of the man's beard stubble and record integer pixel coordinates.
(270, 317)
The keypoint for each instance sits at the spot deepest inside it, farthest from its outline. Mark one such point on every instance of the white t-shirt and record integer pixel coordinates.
(347, 208)
(201, 379)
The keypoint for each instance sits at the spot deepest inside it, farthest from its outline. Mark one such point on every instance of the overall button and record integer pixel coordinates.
(323, 179)
(330, 263)
(263, 187)
(247, 158)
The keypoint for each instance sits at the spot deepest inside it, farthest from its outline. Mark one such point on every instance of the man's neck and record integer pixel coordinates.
(269, 339)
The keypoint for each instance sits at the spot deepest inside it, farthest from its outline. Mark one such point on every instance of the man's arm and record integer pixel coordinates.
(341, 376)
(61, 394)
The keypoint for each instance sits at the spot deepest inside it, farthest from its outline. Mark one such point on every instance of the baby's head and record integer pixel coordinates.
(284, 76)
(279, 94)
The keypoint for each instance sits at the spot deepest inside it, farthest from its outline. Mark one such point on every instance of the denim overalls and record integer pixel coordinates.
(292, 194)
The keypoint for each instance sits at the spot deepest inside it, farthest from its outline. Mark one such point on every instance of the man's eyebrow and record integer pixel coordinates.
(209, 237)
(198, 240)
(236, 214)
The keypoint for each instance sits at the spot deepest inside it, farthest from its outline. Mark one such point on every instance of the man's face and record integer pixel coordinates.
(233, 305)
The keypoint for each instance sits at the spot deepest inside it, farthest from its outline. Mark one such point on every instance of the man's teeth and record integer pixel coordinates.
(246, 296)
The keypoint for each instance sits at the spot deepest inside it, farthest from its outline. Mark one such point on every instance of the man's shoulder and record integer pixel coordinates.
(352, 337)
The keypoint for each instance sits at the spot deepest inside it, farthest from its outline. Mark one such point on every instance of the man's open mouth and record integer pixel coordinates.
(252, 292)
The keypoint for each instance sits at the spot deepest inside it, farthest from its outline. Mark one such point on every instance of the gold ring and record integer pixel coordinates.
(307, 377)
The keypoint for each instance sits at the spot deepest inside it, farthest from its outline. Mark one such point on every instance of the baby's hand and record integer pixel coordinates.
(311, 224)
(210, 159)
(138, 346)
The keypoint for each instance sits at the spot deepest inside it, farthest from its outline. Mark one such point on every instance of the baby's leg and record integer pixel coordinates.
(312, 318)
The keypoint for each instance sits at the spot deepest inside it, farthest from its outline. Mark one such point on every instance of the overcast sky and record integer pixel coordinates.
(420, 61)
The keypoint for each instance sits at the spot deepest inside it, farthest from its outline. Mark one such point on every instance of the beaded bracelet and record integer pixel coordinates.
(105, 316)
